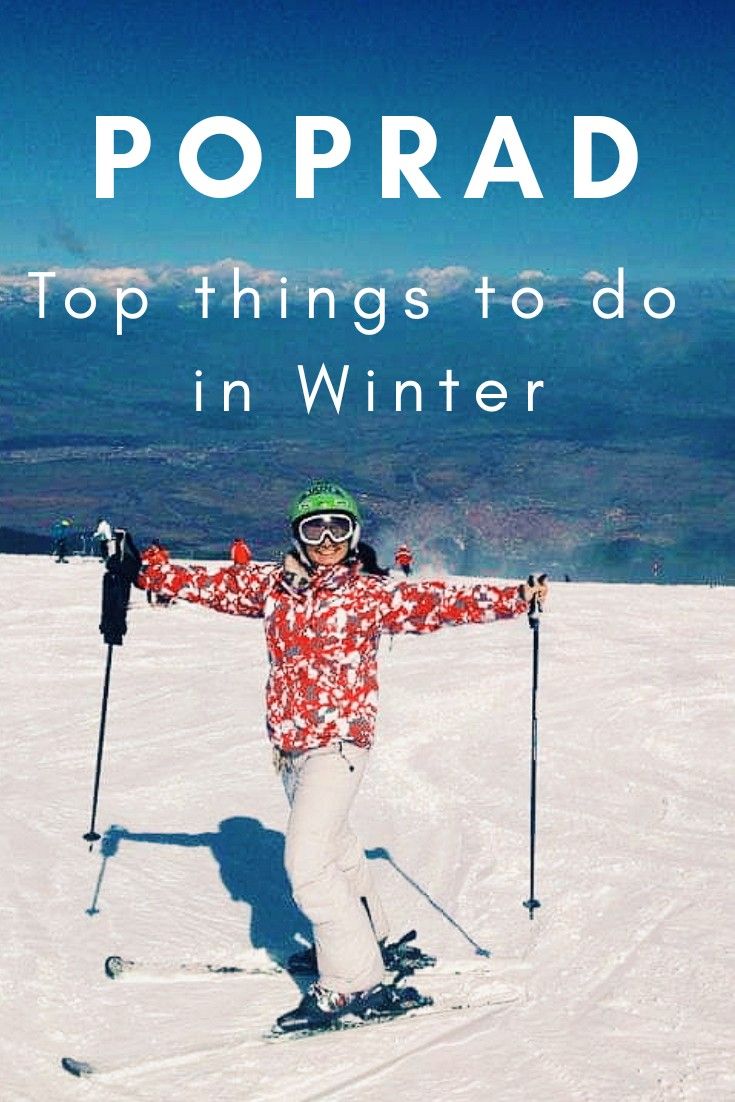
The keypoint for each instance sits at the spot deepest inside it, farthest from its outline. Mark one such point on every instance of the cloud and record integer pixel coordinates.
(249, 273)
(442, 281)
(177, 283)
(106, 279)
(11, 279)
(17, 290)
(329, 273)
(534, 275)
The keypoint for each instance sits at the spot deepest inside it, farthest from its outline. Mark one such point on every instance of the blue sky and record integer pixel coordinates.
(664, 70)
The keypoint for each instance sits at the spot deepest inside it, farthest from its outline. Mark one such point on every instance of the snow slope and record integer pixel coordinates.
(623, 972)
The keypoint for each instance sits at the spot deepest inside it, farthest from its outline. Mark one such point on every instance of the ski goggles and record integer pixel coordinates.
(314, 530)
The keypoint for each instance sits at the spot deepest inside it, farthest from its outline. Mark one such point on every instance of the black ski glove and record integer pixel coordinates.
(124, 559)
(121, 569)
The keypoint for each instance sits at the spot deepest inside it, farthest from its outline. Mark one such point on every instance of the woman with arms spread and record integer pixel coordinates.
(323, 616)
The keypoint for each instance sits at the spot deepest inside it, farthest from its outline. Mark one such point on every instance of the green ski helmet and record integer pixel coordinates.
(325, 497)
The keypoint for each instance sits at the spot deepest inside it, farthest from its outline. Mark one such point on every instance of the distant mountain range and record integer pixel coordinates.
(625, 471)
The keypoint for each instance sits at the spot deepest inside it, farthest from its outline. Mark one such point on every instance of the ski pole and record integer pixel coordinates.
(534, 615)
(122, 568)
(92, 836)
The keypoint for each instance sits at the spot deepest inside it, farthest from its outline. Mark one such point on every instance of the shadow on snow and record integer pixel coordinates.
(250, 860)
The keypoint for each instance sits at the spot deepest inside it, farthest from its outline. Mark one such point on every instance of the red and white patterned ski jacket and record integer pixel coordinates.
(323, 643)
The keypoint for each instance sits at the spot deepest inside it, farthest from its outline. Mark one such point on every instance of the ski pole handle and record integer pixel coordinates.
(535, 605)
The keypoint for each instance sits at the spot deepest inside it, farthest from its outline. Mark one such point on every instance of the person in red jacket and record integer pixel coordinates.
(404, 559)
(323, 617)
(156, 555)
(240, 552)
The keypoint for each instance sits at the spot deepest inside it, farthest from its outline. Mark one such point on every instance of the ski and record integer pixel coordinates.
(119, 968)
(495, 994)
(79, 1068)
(82, 1069)
(442, 995)
(402, 958)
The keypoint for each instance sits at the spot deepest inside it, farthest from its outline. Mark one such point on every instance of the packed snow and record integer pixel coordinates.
(622, 976)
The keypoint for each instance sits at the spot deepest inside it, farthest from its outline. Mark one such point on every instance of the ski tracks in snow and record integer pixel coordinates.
(458, 1034)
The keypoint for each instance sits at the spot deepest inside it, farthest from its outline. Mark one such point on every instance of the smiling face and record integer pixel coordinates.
(327, 553)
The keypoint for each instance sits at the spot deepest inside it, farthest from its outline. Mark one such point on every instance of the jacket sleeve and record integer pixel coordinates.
(427, 606)
(237, 590)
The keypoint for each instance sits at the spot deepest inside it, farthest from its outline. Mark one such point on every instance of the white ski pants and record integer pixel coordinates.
(327, 867)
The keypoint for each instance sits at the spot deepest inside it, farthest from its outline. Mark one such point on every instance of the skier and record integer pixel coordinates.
(156, 555)
(60, 534)
(103, 533)
(240, 552)
(404, 559)
(323, 619)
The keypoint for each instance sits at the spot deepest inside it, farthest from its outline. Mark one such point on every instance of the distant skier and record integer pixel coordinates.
(60, 534)
(103, 535)
(156, 555)
(324, 615)
(404, 559)
(240, 552)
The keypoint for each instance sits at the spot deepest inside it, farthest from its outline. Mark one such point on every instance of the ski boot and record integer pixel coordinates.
(398, 957)
(402, 958)
(303, 963)
(388, 1000)
(321, 1009)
